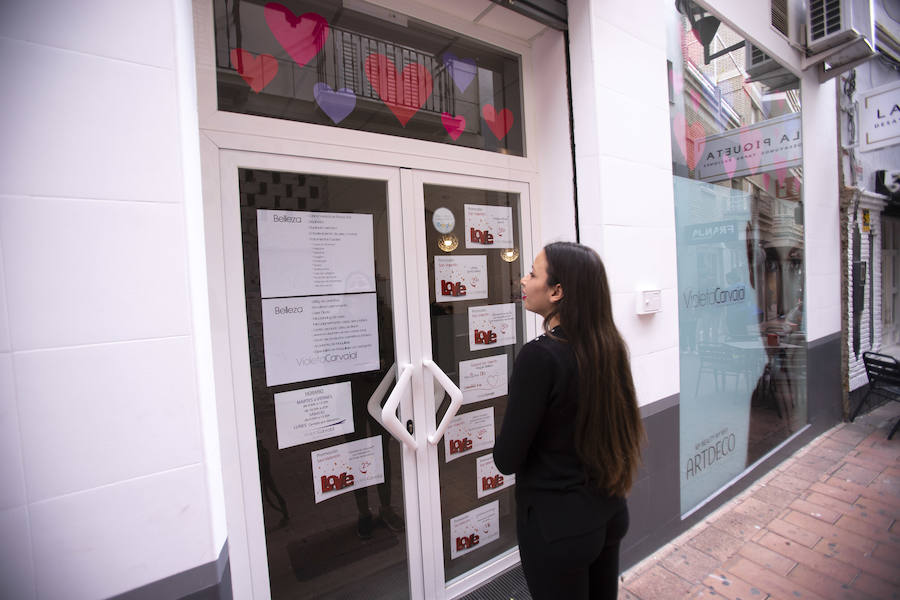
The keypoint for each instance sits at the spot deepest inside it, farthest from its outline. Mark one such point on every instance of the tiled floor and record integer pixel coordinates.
(823, 524)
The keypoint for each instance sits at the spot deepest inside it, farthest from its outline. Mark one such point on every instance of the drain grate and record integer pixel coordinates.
(508, 586)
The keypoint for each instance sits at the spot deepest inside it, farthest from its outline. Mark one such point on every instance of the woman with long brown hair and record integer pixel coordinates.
(572, 432)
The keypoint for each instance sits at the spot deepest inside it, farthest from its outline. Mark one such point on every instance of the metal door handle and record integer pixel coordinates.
(456, 399)
(387, 415)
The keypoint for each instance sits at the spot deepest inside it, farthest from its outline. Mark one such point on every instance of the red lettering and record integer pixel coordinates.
(490, 483)
(480, 237)
(467, 541)
(336, 482)
(450, 288)
(485, 337)
(457, 446)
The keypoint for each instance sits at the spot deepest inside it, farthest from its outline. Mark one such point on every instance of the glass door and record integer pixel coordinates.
(472, 242)
(315, 255)
(374, 318)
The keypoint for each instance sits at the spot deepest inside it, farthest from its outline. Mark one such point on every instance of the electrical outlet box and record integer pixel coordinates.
(648, 302)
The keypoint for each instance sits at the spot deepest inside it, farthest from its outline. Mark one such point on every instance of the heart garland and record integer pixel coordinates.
(404, 92)
(336, 104)
(453, 125)
(302, 37)
(257, 71)
(498, 122)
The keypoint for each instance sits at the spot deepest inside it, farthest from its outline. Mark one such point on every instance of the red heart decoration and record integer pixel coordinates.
(302, 37)
(499, 123)
(753, 156)
(404, 93)
(454, 125)
(257, 71)
(696, 135)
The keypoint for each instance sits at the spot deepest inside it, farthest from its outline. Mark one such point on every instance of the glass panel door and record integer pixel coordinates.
(326, 325)
(473, 248)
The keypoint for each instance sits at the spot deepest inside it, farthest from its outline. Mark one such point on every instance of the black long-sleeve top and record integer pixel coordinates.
(537, 439)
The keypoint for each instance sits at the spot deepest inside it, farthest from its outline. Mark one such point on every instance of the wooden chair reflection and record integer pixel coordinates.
(720, 360)
(883, 372)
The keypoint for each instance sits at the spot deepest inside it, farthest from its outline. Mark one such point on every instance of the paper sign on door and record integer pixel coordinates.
(491, 326)
(316, 413)
(305, 253)
(483, 378)
(489, 479)
(319, 336)
(347, 467)
(468, 433)
(460, 278)
(474, 529)
(488, 226)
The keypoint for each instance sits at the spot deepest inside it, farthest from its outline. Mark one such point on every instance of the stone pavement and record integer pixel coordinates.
(823, 524)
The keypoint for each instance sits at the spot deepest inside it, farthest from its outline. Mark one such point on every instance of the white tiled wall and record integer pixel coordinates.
(103, 485)
(623, 162)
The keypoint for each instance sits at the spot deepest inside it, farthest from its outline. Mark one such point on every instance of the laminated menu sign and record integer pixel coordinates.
(319, 336)
(488, 478)
(305, 253)
(460, 278)
(316, 413)
(488, 226)
(469, 531)
(491, 326)
(347, 467)
(468, 433)
(483, 378)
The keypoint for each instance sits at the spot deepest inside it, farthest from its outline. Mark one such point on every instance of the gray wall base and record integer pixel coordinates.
(211, 581)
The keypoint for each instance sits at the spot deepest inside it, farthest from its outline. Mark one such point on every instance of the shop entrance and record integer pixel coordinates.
(374, 317)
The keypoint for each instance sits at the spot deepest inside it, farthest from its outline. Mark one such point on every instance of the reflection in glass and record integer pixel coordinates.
(461, 490)
(352, 544)
(737, 151)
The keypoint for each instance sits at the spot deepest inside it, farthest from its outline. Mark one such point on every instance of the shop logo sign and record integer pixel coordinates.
(879, 117)
(714, 297)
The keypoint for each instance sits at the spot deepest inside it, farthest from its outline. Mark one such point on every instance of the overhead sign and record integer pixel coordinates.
(879, 117)
(764, 146)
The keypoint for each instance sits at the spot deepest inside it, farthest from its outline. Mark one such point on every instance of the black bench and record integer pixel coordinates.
(883, 372)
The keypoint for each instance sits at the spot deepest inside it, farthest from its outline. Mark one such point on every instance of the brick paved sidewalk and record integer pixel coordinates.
(823, 524)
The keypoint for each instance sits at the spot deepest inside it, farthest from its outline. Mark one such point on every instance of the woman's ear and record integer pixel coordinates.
(556, 294)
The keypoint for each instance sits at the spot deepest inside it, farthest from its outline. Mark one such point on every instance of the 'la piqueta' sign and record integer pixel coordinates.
(764, 146)
(879, 117)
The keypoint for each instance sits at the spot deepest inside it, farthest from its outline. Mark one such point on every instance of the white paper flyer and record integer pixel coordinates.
(460, 278)
(474, 529)
(488, 478)
(483, 378)
(491, 326)
(311, 414)
(347, 467)
(488, 226)
(304, 253)
(468, 433)
(319, 336)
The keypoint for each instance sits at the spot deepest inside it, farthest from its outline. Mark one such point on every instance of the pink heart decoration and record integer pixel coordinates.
(302, 37)
(767, 179)
(454, 125)
(403, 93)
(499, 123)
(780, 172)
(696, 135)
(730, 164)
(752, 157)
(257, 71)
(695, 98)
(679, 127)
(677, 82)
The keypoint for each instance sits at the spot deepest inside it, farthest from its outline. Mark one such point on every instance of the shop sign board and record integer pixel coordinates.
(879, 117)
(760, 147)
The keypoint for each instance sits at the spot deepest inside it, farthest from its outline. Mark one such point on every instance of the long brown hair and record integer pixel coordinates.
(609, 431)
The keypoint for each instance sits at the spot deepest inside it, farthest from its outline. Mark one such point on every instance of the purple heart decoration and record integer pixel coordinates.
(336, 104)
(462, 70)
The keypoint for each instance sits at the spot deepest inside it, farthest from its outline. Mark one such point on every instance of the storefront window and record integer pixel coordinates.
(355, 65)
(736, 158)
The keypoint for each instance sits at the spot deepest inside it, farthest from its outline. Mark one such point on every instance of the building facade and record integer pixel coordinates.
(260, 270)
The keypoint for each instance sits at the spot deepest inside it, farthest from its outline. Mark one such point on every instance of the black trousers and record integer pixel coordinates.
(580, 567)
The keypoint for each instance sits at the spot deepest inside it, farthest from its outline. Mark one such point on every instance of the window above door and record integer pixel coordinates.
(355, 65)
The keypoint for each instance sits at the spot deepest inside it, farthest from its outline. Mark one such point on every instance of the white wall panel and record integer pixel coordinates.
(112, 539)
(632, 66)
(655, 375)
(127, 30)
(633, 129)
(93, 271)
(639, 257)
(94, 415)
(16, 567)
(646, 333)
(12, 478)
(636, 194)
(81, 126)
(4, 316)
